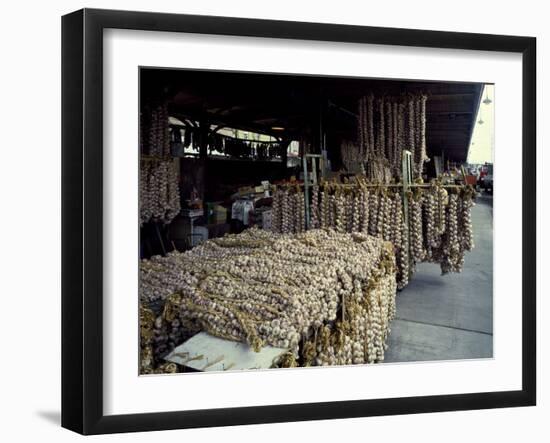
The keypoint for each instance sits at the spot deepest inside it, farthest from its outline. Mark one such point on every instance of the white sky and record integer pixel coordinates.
(482, 146)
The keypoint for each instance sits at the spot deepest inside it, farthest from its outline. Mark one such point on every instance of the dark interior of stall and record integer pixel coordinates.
(233, 134)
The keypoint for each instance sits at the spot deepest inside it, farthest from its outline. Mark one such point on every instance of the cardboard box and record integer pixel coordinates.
(220, 214)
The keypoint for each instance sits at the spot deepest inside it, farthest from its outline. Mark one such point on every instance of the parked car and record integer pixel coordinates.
(488, 183)
(486, 178)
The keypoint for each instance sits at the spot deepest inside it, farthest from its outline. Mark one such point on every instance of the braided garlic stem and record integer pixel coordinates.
(276, 213)
(467, 232)
(415, 228)
(365, 214)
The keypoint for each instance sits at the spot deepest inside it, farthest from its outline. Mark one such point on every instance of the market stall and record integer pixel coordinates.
(295, 237)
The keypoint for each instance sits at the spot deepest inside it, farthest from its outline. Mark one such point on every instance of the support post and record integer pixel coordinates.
(307, 182)
(314, 170)
(204, 130)
(284, 155)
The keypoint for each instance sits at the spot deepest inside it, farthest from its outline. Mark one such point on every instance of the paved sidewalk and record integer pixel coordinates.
(451, 316)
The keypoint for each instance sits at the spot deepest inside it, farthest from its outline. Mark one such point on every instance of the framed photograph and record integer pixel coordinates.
(268, 221)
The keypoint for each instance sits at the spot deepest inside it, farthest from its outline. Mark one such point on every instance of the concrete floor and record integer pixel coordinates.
(451, 316)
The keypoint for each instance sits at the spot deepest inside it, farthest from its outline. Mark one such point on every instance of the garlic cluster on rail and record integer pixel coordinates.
(387, 126)
(415, 226)
(314, 209)
(448, 226)
(159, 195)
(288, 211)
(439, 225)
(155, 130)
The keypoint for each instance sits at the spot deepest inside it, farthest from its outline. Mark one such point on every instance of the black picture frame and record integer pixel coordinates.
(82, 218)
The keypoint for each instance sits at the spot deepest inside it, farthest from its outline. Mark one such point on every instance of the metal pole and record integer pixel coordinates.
(306, 190)
(314, 169)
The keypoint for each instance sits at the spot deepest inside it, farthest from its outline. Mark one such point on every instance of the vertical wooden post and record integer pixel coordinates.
(284, 154)
(204, 130)
(463, 174)
(314, 170)
(307, 182)
(306, 190)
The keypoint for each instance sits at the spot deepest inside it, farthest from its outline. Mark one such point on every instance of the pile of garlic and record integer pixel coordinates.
(273, 289)
(150, 361)
(159, 195)
(146, 326)
(361, 337)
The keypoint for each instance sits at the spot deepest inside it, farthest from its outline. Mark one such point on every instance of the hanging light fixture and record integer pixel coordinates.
(480, 121)
(487, 100)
